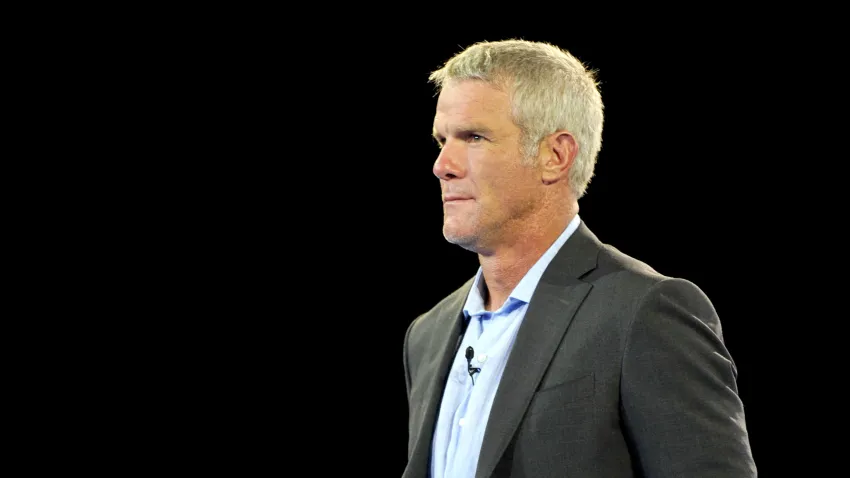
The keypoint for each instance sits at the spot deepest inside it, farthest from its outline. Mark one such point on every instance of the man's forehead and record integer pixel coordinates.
(471, 106)
(488, 121)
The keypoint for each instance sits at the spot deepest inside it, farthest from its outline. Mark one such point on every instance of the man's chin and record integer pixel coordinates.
(466, 241)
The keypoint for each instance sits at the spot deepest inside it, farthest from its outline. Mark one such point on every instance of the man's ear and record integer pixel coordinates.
(559, 151)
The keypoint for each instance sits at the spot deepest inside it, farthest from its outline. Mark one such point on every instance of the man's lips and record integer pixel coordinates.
(455, 197)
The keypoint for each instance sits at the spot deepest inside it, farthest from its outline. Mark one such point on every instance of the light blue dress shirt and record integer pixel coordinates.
(466, 407)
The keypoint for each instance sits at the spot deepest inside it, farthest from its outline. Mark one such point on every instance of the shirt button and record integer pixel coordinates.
(482, 358)
(462, 422)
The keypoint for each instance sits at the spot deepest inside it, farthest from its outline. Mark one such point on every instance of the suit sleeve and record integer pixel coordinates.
(405, 361)
(679, 397)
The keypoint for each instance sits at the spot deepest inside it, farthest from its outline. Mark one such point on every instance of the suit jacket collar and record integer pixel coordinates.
(549, 313)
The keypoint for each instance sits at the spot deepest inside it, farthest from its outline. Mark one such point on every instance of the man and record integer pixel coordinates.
(561, 357)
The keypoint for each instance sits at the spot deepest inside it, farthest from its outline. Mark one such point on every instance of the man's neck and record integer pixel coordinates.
(505, 267)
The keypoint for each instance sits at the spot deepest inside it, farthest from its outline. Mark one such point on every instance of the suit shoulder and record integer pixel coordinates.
(643, 280)
(612, 260)
(615, 265)
(446, 306)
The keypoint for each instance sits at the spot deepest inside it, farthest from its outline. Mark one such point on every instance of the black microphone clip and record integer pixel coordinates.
(469, 354)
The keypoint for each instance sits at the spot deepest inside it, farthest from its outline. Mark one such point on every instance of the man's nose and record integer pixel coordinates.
(449, 163)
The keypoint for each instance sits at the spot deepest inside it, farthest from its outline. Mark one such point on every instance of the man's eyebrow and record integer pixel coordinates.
(466, 129)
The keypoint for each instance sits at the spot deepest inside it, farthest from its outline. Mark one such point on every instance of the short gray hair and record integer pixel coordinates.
(550, 90)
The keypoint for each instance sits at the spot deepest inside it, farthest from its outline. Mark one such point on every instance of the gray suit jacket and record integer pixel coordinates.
(617, 371)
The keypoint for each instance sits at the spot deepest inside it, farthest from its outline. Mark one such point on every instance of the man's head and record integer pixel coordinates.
(520, 126)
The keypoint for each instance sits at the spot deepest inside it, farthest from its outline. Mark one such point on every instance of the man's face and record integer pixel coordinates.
(487, 192)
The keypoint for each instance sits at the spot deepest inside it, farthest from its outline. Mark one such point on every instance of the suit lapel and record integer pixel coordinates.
(550, 312)
(448, 335)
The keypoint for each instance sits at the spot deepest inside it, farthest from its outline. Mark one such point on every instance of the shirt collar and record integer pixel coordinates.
(525, 288)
